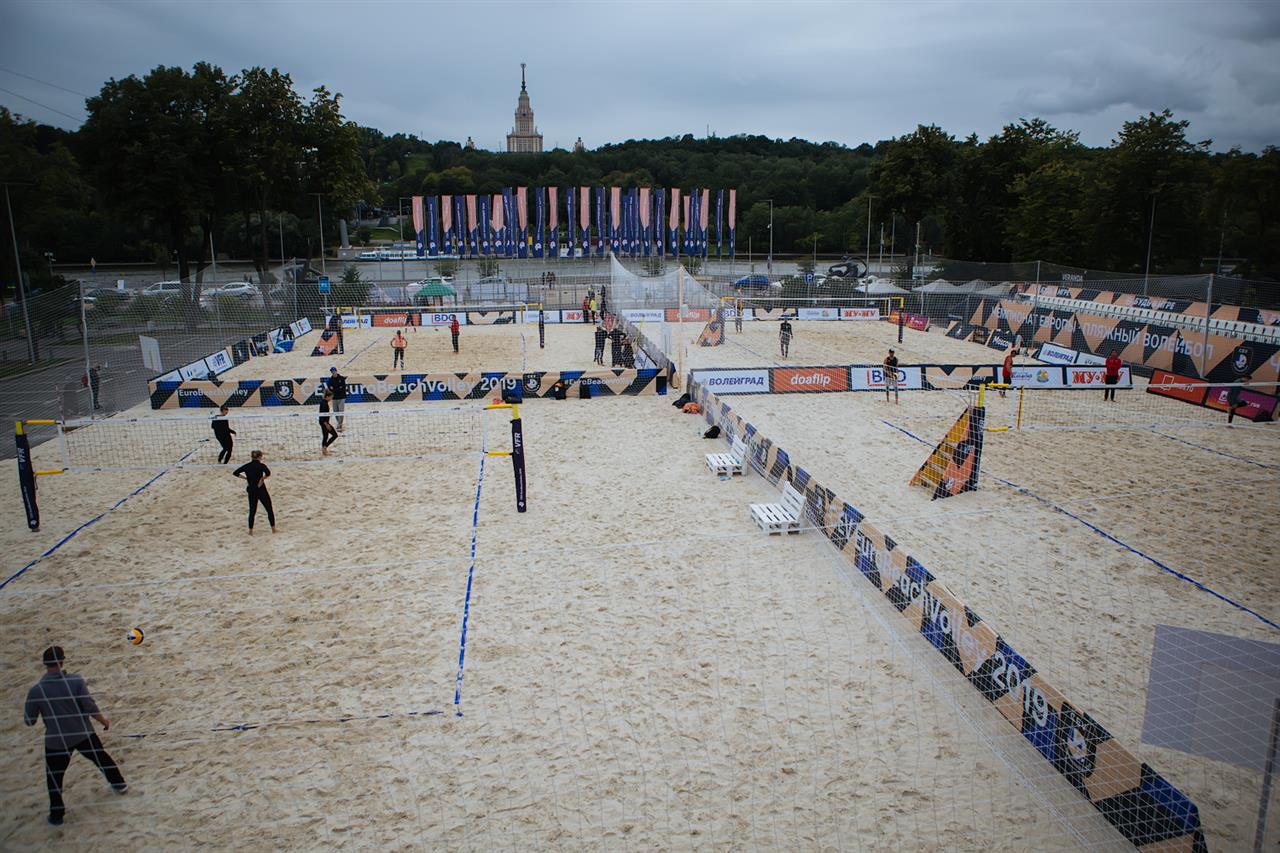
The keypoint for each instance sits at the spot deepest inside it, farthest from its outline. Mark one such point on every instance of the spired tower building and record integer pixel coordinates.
(524, 138)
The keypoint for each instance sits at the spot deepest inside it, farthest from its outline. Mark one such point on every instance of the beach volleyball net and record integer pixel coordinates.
(399, 316)
(1141, 407)
(285, 437)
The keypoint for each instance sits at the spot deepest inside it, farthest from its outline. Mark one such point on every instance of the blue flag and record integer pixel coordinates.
(508, 222)
(571, 211)
(689, 230)
(540, 220)
(433, 226)
(459, 225)
(659, 221)
(485, 237)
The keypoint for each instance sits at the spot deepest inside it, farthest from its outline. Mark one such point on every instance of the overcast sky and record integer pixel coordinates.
(848, 72)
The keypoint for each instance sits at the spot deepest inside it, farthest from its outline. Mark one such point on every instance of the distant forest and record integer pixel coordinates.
(171, 160)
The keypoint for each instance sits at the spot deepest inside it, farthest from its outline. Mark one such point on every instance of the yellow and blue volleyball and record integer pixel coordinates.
(136, 636)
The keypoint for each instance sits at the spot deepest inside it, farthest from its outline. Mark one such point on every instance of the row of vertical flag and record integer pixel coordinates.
(548, 222)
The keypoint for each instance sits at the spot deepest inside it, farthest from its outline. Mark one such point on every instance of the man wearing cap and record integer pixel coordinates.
(891, 376)
(338, 385)
(64, 701)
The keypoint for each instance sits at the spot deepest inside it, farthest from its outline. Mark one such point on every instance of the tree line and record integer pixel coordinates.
(171, 160)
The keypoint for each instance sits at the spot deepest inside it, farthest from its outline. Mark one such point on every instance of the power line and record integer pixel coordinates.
(77, 119)
(43, 82)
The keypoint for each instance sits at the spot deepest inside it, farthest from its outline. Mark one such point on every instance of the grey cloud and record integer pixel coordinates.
(851, 73)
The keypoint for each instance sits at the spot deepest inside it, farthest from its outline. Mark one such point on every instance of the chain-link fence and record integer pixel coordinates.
(50, 369)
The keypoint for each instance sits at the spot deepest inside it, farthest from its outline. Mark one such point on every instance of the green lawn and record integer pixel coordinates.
(392, 234)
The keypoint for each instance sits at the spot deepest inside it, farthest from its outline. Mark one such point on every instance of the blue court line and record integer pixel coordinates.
(1218, 452)
(904, 432)
(247, 727)
(1105, 535)
(362, 352)
(96, 518)
(466, 602)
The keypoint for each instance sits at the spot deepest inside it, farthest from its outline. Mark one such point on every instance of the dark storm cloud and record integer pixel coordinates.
(852, 73)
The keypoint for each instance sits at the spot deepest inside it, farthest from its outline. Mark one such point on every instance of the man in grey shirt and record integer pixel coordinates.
(64, 701)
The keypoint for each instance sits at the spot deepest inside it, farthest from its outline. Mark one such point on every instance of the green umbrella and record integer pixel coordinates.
(435, 288)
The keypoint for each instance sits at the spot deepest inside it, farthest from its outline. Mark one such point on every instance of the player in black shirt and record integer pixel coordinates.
(891, 376)
(222, 431)
(256, 474)
(328, 435)
(784, 337)
(601, 336)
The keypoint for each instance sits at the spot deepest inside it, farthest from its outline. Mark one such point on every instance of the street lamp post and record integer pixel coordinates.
(771, 240)
(320, 212)
(869, 197)
(1151, 228)
(32, 352)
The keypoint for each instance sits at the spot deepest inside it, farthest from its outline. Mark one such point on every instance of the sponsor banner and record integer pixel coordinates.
(873, 377)
(488, 318)
(693, 315)
(953, 465)
(220, 361)
(571, 315)
(1183, 388)
(1039, 376)
(1054, 354)
(817, 314)
(430, 318)
(300, 327)
(859, 313)
(773, 313)
(532, 315)
(735, 381)
(327, 345)
(194, 370)
(395, 388)
(1092, 376)
(919, 322)
(396, 321)
(644, 315)
(1105, 773)
(792, 379)
(1145, 345)
(1250, 404)
(712, 334)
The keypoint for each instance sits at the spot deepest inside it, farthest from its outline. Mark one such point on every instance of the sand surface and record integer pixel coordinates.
(1080, 607)
(429, 349)
(644, 669)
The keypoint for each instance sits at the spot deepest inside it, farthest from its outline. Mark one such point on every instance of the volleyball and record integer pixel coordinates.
(136, 636)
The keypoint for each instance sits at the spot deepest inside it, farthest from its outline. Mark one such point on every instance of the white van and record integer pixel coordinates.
(163, 289)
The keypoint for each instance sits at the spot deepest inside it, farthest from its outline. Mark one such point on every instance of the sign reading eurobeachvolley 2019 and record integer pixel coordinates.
(631, 222)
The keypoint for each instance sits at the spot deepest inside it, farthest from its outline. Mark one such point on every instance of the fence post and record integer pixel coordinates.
(1208, 313)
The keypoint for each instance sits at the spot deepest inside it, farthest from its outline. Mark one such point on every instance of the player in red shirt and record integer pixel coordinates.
(1008, 369)
(453, 330)
(1112, 375)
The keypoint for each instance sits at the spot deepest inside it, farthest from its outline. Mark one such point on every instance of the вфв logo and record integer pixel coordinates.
(1240, 364)
(284, 389)
(1042, 376)
(532, 382)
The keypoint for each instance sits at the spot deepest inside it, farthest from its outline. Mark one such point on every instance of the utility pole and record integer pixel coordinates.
(869, 197)
(771, 240)
(32, 352)
(320, 211)
(1151, 229)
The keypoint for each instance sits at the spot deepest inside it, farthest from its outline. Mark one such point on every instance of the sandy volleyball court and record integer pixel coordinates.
(644, 669)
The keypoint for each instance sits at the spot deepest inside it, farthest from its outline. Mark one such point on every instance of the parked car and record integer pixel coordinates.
(163, 289)
(242, 290)
(756, 281)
